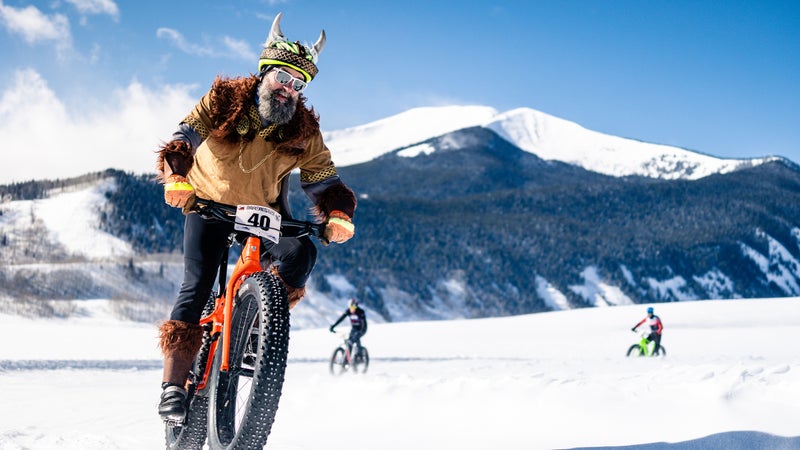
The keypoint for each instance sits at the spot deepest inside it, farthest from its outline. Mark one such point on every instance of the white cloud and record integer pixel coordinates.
(34, 26)
(240, 49)
(231, 48)
(96, 7)
(178, 40)
(43, 138)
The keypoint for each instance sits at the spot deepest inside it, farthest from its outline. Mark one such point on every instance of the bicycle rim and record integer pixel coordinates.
(244, 400)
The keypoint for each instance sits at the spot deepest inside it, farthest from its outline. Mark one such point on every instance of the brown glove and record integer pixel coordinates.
(339, 229)
(178, 192)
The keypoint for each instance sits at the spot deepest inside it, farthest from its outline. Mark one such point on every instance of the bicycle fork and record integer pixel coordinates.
(220, 319)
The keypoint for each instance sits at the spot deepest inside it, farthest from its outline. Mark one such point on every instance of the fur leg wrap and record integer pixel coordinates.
(174, 157)
(293, 294)
(181, 340)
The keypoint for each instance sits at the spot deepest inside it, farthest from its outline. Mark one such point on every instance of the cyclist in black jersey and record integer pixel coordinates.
(358, 324)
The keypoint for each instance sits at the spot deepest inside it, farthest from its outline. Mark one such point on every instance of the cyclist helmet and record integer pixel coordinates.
(650, 310)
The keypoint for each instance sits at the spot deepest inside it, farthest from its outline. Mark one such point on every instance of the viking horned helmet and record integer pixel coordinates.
(279, 51)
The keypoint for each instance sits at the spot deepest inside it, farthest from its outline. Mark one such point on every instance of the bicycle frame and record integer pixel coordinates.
(644, 345)
(348, 356)
(345, 347)
(249, 262)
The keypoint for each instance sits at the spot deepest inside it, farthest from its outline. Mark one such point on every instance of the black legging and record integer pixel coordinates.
(355, 338)
(655, 337)
(204, 241)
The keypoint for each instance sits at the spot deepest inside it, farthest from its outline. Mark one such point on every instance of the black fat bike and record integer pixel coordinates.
(349, 356)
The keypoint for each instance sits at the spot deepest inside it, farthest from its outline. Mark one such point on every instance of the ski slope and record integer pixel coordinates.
(544, 381)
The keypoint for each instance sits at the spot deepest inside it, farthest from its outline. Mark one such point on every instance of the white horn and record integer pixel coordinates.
(320, 43)
(275, 33)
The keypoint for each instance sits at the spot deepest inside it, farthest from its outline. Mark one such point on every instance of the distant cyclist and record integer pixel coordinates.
(656, 327)
(358, 324)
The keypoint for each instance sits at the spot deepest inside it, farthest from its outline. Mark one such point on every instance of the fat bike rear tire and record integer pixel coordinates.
(191, 434)
(361, 361)
(244, 400)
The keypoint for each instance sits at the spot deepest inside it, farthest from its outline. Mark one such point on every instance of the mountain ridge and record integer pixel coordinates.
(546, 136)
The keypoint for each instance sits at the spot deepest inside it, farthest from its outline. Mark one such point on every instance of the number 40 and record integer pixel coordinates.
(259, 221)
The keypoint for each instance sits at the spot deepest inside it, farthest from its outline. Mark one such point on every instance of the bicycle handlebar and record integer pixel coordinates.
(227, 213)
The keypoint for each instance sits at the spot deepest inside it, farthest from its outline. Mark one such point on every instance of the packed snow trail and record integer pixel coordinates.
(543, 381)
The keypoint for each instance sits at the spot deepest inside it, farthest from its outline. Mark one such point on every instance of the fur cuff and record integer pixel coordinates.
(174, 157)
(338, 197)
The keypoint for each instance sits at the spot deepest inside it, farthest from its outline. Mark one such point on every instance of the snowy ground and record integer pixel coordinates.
(731, 380)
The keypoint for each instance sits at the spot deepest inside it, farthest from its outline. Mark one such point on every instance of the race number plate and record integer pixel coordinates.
(258, 220)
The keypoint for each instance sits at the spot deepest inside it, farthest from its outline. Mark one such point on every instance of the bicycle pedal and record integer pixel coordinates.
(173, 422)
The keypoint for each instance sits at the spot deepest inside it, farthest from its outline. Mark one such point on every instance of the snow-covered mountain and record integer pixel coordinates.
(464, 212)
(544, 135)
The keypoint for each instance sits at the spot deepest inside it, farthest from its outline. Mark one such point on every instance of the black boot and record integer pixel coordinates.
(173, 403)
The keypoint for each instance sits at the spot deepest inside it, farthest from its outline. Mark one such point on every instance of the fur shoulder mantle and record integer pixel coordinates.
(231, 102)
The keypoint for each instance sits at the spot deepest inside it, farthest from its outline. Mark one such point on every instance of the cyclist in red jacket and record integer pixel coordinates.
(656, 327)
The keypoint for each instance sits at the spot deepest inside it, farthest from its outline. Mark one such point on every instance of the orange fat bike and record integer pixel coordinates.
(236, 380)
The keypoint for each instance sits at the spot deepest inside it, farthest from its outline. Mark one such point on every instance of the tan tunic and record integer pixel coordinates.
(249, 173)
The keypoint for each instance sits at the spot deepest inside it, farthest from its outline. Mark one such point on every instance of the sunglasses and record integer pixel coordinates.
(285, 78)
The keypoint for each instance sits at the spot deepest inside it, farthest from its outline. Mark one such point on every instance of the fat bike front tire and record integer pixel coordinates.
(244, 400)
(338, 362)
(634, 350)
(191, 434)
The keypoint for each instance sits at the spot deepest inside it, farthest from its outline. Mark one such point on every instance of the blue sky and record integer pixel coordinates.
(719, 77)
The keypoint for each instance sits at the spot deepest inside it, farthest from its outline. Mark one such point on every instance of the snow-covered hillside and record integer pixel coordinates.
(554, 380)
(58, 242)
(68, 220)
(546, 136)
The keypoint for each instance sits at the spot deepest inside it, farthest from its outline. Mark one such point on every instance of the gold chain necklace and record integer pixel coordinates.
(241, 166)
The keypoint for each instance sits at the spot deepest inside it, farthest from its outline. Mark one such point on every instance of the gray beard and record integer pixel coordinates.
(272, 110)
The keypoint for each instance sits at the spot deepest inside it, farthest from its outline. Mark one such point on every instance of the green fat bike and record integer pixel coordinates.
(646, 347)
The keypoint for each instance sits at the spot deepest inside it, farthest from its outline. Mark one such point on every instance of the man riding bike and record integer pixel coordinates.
(238, 146)
(358, 324)
(655, 329)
